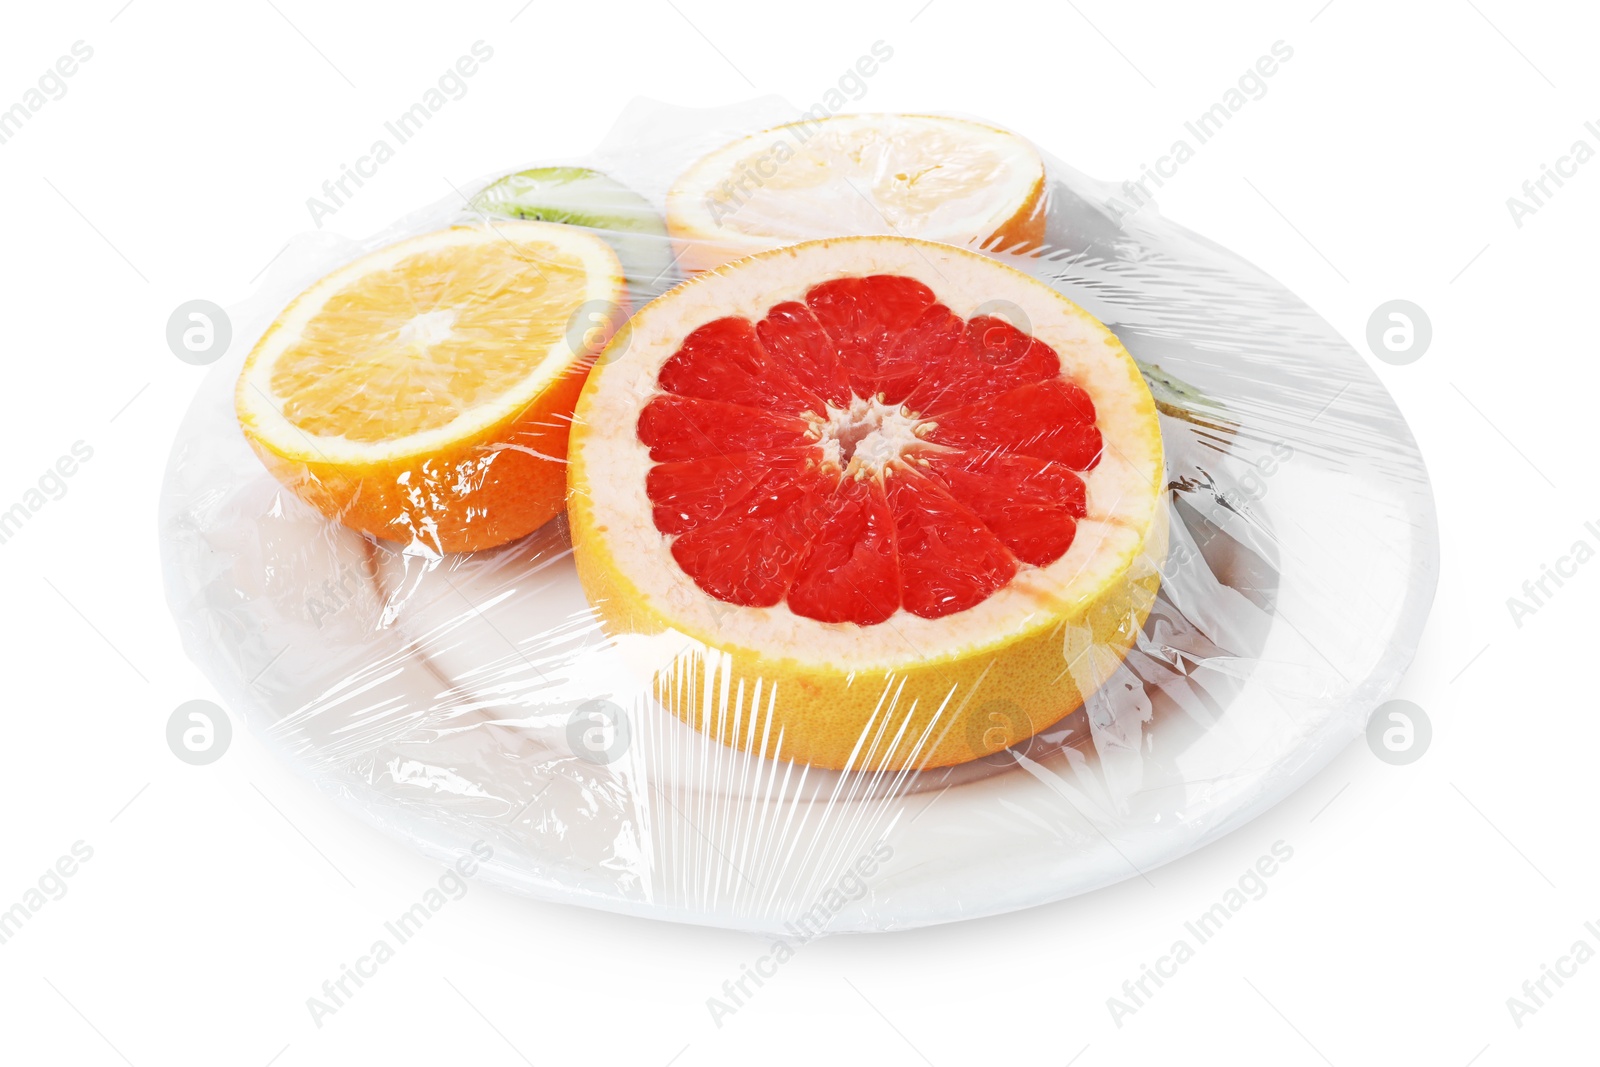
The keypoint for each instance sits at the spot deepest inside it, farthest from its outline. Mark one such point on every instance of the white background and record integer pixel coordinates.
(1378, 166)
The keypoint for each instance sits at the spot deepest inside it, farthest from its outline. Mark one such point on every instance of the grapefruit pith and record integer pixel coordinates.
(890, 528)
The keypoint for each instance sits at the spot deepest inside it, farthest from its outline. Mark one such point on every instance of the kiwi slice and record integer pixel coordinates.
(1180, 400)
(578, 196)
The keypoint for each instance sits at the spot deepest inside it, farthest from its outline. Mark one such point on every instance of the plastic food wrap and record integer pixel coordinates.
(856, 585)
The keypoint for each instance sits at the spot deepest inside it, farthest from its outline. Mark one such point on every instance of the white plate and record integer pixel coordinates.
(448, 702)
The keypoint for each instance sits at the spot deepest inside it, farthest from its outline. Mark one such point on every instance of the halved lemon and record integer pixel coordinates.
(873, 524)
(922, 176)
(424, 392)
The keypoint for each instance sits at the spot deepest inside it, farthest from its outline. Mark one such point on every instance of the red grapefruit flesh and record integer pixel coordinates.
(979, 489)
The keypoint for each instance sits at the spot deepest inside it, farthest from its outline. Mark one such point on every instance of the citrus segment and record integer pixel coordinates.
(849, 487)
(851, 572)
(949, 560)
(423, 393)
(680, 427)
(722, 360)
(1051, 421)
(1032, 508)
(792, 338)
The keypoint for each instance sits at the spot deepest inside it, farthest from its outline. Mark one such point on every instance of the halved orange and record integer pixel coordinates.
(922, 176)
(875, 524)
(424, 392)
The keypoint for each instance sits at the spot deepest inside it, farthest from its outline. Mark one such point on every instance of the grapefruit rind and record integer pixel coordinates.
(1036, 647)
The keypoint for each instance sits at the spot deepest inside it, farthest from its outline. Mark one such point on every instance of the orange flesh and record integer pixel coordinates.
(439, 333)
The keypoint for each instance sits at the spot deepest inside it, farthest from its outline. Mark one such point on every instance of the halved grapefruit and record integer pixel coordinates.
(423, 393)
(923, 176)
(880, 527)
